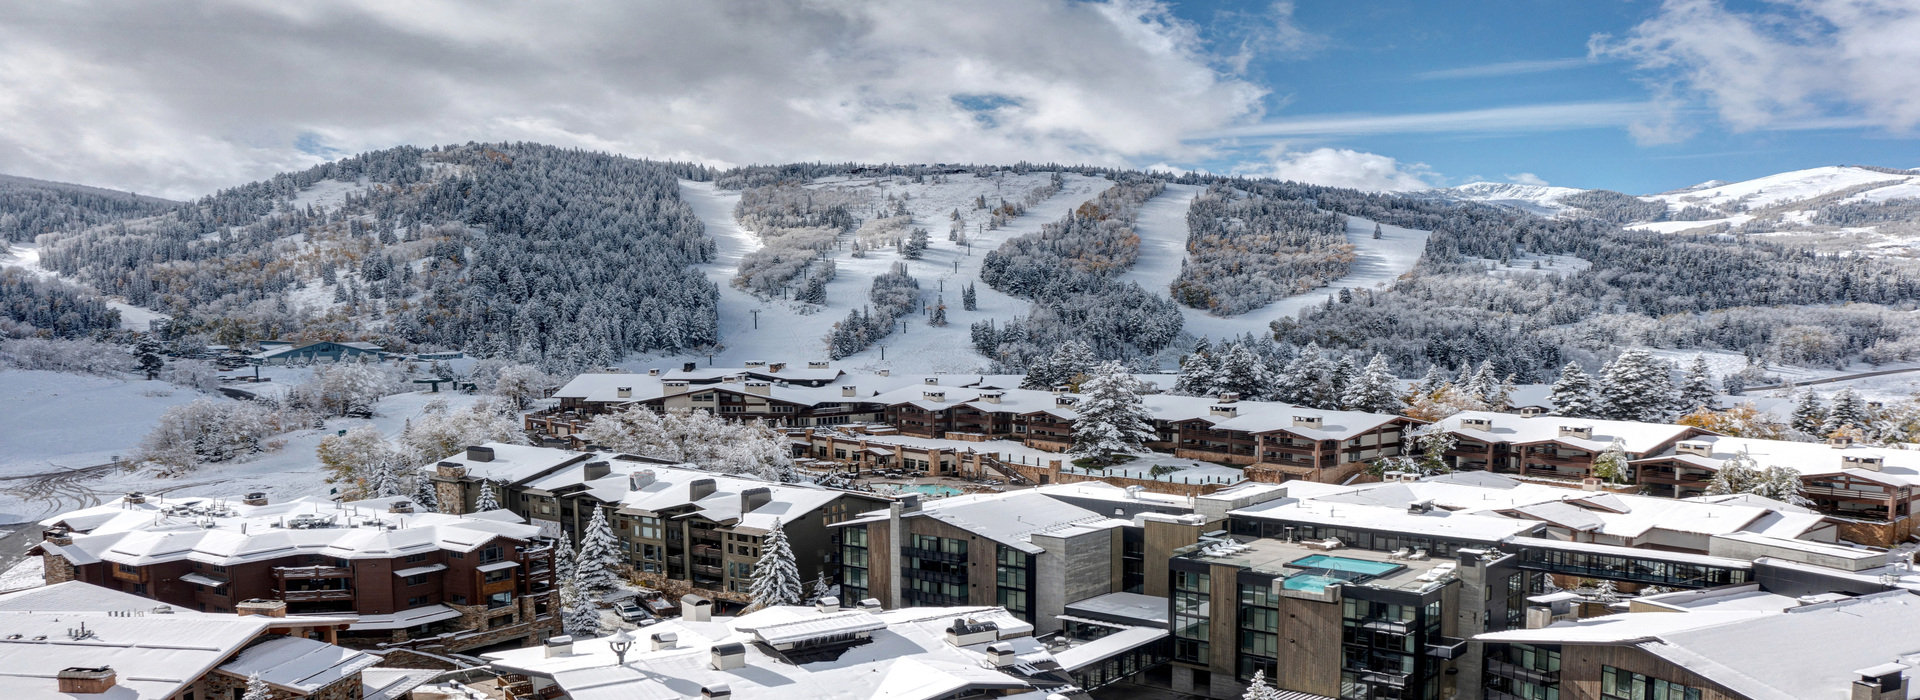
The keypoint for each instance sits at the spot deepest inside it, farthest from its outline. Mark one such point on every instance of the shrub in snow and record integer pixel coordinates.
(213, 430)
(440, 430)
(698, 437)
(363, 460)
(74, 356)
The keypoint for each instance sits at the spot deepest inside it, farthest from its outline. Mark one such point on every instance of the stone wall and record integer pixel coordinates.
(56, 568)
(1867, 532)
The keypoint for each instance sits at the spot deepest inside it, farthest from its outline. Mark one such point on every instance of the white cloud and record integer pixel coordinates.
(1491, 70)
(1526, 179)
(180, 98)
(1543, 117)
(1796, 64)
(1341, 167)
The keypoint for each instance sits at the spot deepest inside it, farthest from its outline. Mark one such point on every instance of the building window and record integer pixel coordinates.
(648, 528)
(853, 564)
(1617, 684)
(1259, 622)
(456, 599)
(416, 579)
(1191, 591)
(417, 601)
(499, 600)
(415, 558)
(1013, 576)
(496, 576)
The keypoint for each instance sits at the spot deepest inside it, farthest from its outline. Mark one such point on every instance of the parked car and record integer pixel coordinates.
(630, 611)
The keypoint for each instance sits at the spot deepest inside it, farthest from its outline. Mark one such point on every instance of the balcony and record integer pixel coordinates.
(313, 572)
(319, 595)
(1507, 670)
(705, 570)
(1446, 648)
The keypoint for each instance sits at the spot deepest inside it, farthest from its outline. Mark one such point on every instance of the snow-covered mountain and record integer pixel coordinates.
(1544, 200)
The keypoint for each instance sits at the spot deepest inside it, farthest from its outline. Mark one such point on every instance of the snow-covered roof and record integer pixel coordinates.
(394, 683)
(907, 658)
(153, 657)
(1636, 438)
(1082, 655)
(1897, 467)
(1435, 523)
(82, 597)
(1013, 518)
(224, 532)
(513, 464)
(298, 664)
(672, 487)
(1123, 606)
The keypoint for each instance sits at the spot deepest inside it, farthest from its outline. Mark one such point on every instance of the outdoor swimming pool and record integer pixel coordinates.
(1311, 583)
(931, 490)
(1343, 564)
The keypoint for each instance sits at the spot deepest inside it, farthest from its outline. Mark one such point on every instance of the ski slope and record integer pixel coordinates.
(1377, 263)
(752, 328)
(1162, 227)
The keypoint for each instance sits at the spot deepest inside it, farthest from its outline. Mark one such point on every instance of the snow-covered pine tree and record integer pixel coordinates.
(1606, 592)
(1573, 393)
(257, 689)
(1112, 416)
(1736, 475)
(423, 494)
(1434, 379)
(776, 577)
(1696, 386)
(565, 558)
(146, 357)
(821, 588)
(1240, 371)
(1197, 371)
(1808, 415)
(582, 616)
(1376, 232)
(381, 481)
(1375, 390)
(1611, 463)
(1483, 384)
(1782, 484)
(1343, 375)
(1846, 409)
(916, 245)
(938, 318)
(1040, 374)
(968, 299)
(1635, 387)
(486, 501)
(1259, 688)
(598, 567)
(1297, 381)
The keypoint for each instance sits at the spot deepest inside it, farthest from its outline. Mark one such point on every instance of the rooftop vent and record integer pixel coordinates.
(727, 657)
(1698, 449)
(827, 604)
(870, 604)
(1583, 432)
(819, 365)
(756, 364)
(688, 366)
(640, 478)
(968, 632)
(653, 371)
(884, 372)
(86, 680)
(1002, 654)
(256, 498)
(402, 506)
(596, 470)
(664, 640)
(930, 381)
(719, 690)
(625, 392)
(477, 453)
(1867, 463)
(135, 497)
(1229, 396)
(700, 488)
(1485, 424)
(1307, 422)
(752, 499)
(694, 608)
(559, 646)
(1223, 411)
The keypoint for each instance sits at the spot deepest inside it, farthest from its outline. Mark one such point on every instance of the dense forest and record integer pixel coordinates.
(30, 207)
(1247, 249)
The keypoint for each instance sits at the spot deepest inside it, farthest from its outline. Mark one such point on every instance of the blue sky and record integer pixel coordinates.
(1410, 58)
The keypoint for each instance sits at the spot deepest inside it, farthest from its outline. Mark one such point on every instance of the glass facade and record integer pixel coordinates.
(934, 570)
(1630, 568)
(1616, 684)
(1191, 609)
(853, 565)
(1259, 627)
(1522, 672)
(1013, 581)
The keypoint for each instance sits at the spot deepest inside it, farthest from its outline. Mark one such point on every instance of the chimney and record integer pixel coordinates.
(1061, 389)
(930, 381)
(596, 470)
(58, 536)
(751, 499)
(559, 646)
(756, 364)
(135, 497)
(401, 506)
(1002, 654)
(818, 365)
(653, 371)
(760, 388)
(934, 396)
(720, 690)
(727, 657)
(261, 607)
(849, 391)
(694, 608)
(451, 470)
(1223, 411)
(688, 367)
(1872, 464)
(664, 640)
(640, 478)
(477, 453)
(1065, 401)
(1698, 449)
(1539, 616)
(883, 372)
(1840, 442)
(673, 388)
(625, 392)
(1229, 396)
(870, 605)
(827, 604)
(909, 503)
(992, 397)
(1583, 432)
(1591, 483)
(1307, 422)
(1481, 424)
(86, 680)
(775, 367)
(700, 488)
(1883, 682)
(256, 498)
(965, 632)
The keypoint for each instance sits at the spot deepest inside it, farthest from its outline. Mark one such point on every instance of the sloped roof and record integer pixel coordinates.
(1636, 438)
(298, 664)
(153, 656)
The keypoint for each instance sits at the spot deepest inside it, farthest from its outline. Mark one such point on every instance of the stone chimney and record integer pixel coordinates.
(256, 498)
(640, 479)
(58, 536)
(664, 640)
(751, 499)
(134, 497)
(775, 367)
(87, 680)
(694, 608)
(1872, 464)
(400, 506)
(596, 470)
(727, 657)
(261, 607)
(700, 488)
(477, 453)
(559, 646)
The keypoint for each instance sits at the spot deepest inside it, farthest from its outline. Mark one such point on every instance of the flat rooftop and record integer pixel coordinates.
(1313, 568)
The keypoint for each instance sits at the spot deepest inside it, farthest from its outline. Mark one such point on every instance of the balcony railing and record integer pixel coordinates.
(1508, 670)
(311, 596)
(313, 572)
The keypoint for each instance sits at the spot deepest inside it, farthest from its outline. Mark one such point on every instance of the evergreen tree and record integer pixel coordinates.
(1808, 415)
(1635, 387)
(822, 588)
(1573, 393)
(1606, 592)
(1242, 372)
(939, 317)
(1696, 386)
(1483, 384)
(1296, 383)
(1611, 464)
(1198, 372)
(968, 300)
(380, 480)
(1782, 484)
(257, 689)
(776, 577)
(1344, 372)
(486, 501)
(146, 357)
(597, 569)
(1434, 379)
(1112, 416)
(424, 495)
(565, 558)
(916, 244)
(1737, 474)
(1375, 390)
(1259, 688)
(1845, 410)
(1376, 232)
(582, 617)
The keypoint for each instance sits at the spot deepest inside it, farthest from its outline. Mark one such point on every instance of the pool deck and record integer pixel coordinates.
(1271, 556)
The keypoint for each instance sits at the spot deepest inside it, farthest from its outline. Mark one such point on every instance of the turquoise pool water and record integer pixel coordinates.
(1352, 566)
(934, 490)
(1311, 583)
